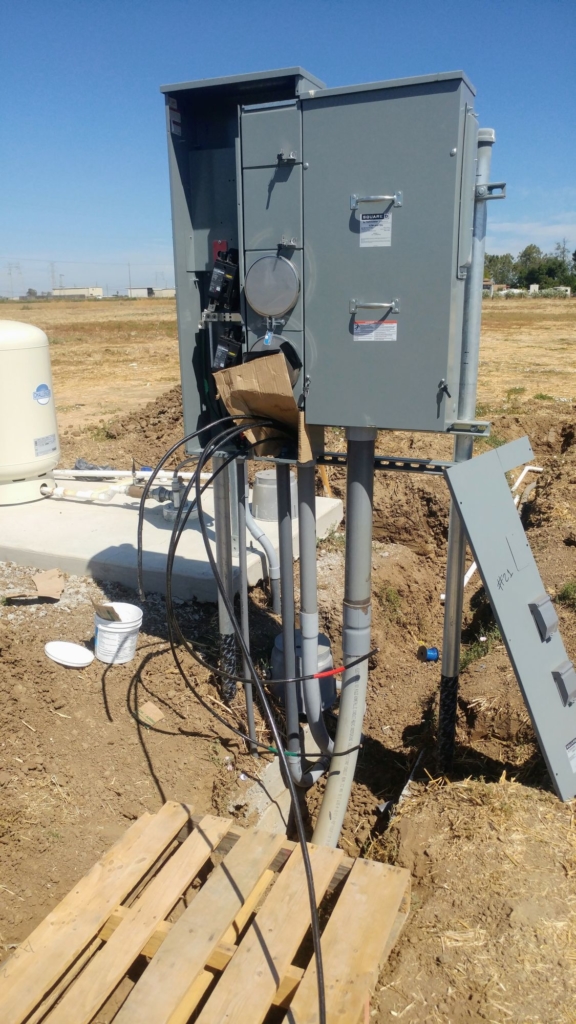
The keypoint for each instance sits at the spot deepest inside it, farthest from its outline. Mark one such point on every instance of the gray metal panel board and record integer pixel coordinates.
(399, 83)
(511, 578)
(272, 206)
(269, 132)
(229, 83)
(367, 146)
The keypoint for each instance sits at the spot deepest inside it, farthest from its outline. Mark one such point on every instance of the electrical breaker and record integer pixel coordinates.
(348, 217)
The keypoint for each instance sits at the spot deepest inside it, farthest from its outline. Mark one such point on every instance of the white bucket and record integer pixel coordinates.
(115, 642)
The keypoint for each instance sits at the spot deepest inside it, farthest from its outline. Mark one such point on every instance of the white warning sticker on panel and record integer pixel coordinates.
(45, 445)
(571, 751)
(375, 229)
(376, 330)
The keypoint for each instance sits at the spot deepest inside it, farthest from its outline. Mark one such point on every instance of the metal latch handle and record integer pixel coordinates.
(487, 191)
(393, 306)
(397, 199)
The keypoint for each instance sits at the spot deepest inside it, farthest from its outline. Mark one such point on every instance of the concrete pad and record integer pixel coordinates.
(99, 540)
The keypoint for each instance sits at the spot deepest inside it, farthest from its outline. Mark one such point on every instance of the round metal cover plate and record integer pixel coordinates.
(272, 285)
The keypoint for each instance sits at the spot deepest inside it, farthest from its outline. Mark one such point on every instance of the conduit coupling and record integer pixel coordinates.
(356, 622)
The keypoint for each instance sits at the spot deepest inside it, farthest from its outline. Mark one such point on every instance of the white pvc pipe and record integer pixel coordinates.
(271, 555)
(115, 474)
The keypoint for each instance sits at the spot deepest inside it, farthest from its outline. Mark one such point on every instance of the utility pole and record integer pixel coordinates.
(13, 268)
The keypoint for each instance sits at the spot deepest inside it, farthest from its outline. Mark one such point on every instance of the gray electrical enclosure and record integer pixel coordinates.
(524, 612)
(368, 192)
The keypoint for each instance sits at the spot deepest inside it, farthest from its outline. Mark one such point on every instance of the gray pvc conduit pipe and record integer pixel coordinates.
(309, 606)
(270, 551)
(355, 633)
(294, 750)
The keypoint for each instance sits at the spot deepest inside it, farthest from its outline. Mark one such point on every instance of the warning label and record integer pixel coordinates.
(571, 751)
(376, 330)
(375, 229)
(45, 445)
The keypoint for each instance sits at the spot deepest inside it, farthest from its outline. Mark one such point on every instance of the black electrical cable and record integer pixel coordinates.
(315, 922)
(183, 518)
(156, 470)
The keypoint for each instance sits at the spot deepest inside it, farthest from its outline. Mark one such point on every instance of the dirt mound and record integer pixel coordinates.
(144, 435)
(489, 936)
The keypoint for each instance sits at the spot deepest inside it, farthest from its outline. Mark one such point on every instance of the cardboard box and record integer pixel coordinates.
(262, 387)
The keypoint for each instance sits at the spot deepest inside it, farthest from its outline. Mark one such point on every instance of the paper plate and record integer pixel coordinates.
(71, 655)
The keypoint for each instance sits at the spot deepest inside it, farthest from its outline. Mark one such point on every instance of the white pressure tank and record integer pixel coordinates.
(29, 448)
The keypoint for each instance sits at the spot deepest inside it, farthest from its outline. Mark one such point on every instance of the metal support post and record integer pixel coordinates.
(309, 605)
(224, 563)
(463, 450)
(240, 468)
(287, 602)
(357, 615)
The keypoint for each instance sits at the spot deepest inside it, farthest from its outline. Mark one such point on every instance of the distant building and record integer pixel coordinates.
(78, 293)
(151, 293)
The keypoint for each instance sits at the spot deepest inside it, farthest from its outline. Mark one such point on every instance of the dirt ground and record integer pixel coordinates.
(491, 850)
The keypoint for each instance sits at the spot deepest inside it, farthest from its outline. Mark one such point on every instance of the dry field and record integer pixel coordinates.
(107, 356)
(492, 852)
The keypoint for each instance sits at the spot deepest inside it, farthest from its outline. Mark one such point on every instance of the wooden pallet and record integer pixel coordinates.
(237, 947)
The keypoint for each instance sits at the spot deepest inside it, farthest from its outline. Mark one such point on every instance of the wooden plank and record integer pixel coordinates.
(108, 967)
(251, 980)
(220, 957)
(182, 956)
(242, 918)
(55, 993)
(353, 944)
(234, 834)
(41, 960)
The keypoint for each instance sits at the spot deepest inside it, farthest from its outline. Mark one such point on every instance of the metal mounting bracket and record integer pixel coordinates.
(213, 317)
(355, 304)
(486, 191)
(397, 200)
(287, 158)
(475, 428)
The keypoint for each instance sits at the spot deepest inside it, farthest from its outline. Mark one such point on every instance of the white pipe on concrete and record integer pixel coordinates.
(115, 474)
(271, 555)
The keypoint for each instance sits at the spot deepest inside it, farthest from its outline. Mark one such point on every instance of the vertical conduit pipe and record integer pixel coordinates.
(463, 450)
(305, 780)
(309, 606)
(242, 492)
(224, 563)
(357, 615)
(271, 556)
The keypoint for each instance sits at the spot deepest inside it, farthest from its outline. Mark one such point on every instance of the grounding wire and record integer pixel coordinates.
(298, 820)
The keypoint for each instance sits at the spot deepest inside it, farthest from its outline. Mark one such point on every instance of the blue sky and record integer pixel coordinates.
(83, 168)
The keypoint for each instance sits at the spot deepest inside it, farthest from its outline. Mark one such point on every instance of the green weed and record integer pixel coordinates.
(494, 441)
(567, 595)
(480, 648)
(542, 397)
(391, 602)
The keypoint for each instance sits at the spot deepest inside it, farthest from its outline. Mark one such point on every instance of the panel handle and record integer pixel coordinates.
(355, 304)
(397, 199)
